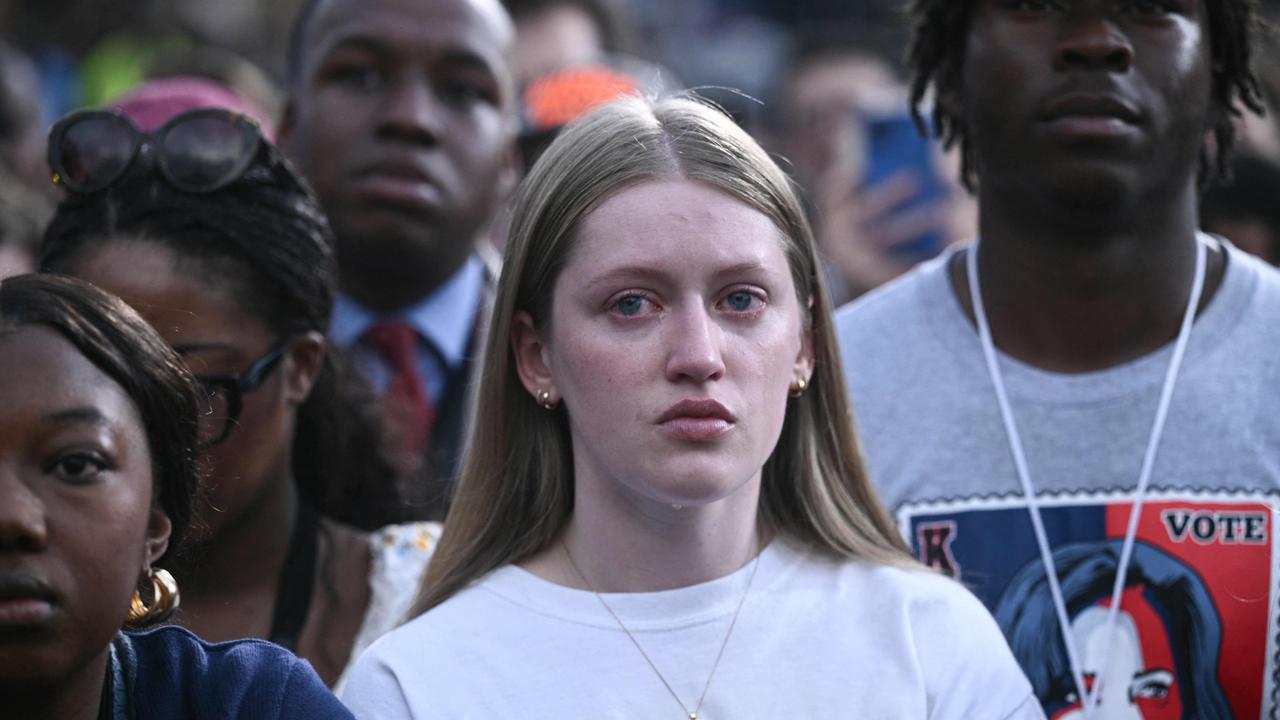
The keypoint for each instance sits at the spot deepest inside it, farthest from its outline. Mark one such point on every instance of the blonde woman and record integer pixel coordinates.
(663, 511)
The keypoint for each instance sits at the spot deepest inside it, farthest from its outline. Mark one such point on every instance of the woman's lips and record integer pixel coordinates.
(697, 420)
(24, 600)
(696, 429)
(15, 611)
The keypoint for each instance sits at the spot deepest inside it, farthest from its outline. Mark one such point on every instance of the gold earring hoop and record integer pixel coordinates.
(798, 387)
(164, 600)
(544, 399)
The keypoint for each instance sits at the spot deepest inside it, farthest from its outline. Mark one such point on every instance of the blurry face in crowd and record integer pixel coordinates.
(209, 327)
(826, 101)
(78, 528)
(675, 334)
(1090, 96)
(22, 147)
(402, 122)
(557, 37)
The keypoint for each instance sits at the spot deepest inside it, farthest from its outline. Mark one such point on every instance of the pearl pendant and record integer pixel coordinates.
(693, 716)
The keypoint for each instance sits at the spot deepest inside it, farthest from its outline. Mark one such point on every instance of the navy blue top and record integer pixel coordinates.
(169, 673)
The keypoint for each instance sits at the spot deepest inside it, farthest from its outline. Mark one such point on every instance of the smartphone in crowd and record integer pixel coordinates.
(894, 146)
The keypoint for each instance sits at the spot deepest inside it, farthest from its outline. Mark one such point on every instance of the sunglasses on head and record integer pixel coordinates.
(198, 151)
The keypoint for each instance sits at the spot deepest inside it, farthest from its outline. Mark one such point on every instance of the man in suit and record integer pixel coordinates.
(401, 114)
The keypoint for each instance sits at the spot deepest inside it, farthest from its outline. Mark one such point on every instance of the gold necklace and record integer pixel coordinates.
(692, 714)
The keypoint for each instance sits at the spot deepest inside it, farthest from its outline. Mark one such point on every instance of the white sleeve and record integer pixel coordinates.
(373, 691)
(972, 673)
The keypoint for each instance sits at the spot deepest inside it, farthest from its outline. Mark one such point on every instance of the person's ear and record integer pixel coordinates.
(303, 362)
(804, 358)
(159, 527)
(533, 359)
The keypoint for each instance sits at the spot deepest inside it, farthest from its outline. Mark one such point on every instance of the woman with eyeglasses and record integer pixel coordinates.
(203, 228)
(97, 475)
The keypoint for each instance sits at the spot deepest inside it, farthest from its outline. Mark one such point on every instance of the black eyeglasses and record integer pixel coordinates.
(198, 151)
(221, 396)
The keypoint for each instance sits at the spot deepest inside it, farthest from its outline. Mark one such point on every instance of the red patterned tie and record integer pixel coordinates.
(408, 407)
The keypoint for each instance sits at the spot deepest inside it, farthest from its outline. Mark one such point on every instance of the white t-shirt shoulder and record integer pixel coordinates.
(816, 638)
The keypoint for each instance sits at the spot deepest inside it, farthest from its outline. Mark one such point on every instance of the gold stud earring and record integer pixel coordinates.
(544, 399)
(798, 387)
(164, 600)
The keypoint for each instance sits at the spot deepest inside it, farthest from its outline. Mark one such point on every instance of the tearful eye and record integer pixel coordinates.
(740, 301)
(630, 305)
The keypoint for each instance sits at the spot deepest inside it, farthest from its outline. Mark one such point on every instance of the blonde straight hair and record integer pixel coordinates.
(515, 492)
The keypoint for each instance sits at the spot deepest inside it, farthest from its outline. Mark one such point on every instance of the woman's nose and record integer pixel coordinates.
(22, 513)
(694, 346)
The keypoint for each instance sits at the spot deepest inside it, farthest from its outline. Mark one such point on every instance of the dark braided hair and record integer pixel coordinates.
(935, 57)
(265, 237)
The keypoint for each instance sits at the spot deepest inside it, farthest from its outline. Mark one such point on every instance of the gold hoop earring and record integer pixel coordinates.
(544, 399)
(798, 387)
(164, 600)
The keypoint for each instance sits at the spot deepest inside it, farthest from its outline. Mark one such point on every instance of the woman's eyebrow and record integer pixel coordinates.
(627, 272)
(77, 416)
(742, 268)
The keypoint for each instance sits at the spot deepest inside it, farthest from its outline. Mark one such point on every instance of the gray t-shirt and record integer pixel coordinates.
(1199, 617)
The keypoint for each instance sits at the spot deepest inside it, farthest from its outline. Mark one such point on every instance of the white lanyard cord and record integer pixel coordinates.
(1089, 699)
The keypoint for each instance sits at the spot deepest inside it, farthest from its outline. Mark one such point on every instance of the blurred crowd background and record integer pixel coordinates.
(820, 82)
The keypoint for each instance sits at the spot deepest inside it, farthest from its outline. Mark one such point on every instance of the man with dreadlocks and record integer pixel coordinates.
(1093, 372)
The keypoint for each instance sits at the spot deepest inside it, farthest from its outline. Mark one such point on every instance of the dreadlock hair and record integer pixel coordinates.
(935, 59)
(265, 238)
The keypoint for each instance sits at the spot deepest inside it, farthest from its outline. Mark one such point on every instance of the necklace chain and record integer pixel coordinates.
(692, 714)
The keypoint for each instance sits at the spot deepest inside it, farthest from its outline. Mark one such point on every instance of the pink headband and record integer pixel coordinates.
(155, 102)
